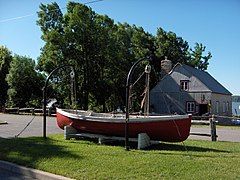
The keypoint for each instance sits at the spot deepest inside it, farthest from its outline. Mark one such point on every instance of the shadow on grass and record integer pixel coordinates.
(29, 151)
(165, 146)
(181, 147)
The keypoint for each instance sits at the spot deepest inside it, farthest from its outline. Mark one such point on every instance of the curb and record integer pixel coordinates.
(30, 172)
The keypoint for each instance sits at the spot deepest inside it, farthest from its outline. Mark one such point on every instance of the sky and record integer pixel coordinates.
(214, 23)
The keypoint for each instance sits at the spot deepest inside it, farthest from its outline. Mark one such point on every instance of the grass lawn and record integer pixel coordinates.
(82, 159)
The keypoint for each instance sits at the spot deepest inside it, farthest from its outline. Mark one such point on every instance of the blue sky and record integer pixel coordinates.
(215, 23)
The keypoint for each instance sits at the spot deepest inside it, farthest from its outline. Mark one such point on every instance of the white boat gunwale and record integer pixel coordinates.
(115, 118)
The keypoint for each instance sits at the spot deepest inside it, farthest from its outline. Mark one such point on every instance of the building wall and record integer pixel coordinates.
(175, 102)
(221, 104)
(168, 103)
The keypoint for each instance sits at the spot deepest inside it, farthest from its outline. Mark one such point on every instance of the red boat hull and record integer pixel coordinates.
(164, 130)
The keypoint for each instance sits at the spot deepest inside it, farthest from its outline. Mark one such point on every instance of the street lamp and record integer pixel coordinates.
(72, 74)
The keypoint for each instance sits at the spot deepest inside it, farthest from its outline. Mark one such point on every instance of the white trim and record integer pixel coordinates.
(88, 116)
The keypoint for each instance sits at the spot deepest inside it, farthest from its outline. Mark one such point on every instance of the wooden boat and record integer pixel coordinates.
(168, 128)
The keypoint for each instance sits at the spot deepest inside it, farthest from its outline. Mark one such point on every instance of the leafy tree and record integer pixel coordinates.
(197, 59)
(25, 84)
(56, 49)
(69, 40)
(102, 53)
(176, 49)
(168, 44)
(5, 59)
(51, 24)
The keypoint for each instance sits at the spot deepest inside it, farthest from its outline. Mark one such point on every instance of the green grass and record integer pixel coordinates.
(81, 159)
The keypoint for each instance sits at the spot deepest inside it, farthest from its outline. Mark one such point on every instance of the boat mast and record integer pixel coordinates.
(146, 103)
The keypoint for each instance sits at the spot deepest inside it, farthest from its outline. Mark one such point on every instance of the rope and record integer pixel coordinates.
(165, 100)
(138, 78)
(180, 137)
(185, 147)
(16, 136)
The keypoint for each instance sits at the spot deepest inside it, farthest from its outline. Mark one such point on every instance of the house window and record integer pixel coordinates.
(190, 107)
(227, 107)
(184, 85)
(224, 107)
(217, 107)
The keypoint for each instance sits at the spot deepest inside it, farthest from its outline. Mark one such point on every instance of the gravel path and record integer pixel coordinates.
(224, 133)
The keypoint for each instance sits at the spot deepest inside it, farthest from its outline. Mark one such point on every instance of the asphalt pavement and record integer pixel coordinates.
(16, 124)
(9, 175)
(223, 133)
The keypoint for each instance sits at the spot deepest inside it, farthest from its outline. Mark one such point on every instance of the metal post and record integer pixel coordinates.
(128, 84)
(45, 96)
(146, 104)
(44, 112)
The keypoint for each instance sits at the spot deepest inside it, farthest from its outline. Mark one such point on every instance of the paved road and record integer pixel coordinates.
(224, 134)
(9, 175)
(16, 123)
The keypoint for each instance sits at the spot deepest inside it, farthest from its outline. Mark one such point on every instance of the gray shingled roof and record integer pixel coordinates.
(207, 79)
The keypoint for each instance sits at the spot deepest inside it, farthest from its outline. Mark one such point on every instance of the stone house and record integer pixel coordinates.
(184, 89)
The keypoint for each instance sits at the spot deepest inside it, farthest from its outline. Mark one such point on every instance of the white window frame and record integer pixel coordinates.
(184, 85)
(227, 106)
(190, 106)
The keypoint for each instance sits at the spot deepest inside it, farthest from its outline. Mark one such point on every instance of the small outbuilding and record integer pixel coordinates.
(184, 89)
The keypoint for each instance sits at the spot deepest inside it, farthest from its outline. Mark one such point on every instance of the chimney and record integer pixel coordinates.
(166, 66)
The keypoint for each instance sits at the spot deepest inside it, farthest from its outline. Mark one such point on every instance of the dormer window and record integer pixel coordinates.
(184, 85)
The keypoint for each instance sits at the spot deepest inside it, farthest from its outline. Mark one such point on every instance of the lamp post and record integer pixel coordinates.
(45, 94)
(128, 85)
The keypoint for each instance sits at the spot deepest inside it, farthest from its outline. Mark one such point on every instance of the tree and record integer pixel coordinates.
(102, 53)
(197, 58)
(5, 59)
(176, 49)
(25, 84)
(69, 40)
(168, 44)
(51, 24)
